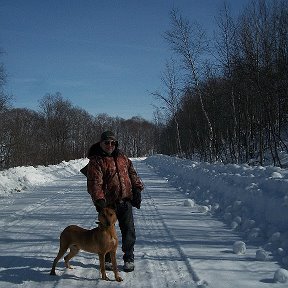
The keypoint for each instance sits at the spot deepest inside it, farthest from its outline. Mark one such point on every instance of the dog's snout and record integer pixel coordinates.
(108, 223)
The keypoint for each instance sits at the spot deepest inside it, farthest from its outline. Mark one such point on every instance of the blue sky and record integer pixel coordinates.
(104, 56)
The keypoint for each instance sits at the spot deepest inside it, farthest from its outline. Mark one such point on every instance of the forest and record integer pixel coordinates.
(229, 106)
(60, 131)
(224, 98)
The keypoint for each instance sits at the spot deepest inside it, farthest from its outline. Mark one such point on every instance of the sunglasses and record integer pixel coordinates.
(112, 143)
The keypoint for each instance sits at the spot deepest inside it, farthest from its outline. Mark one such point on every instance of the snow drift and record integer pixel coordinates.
(252, 200)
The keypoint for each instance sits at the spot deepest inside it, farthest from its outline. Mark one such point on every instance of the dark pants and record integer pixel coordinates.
(126, 223)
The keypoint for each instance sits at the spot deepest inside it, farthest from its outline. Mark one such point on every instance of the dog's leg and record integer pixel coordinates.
(73, 251)
(102, 266)
(58, 257)
(114, 264)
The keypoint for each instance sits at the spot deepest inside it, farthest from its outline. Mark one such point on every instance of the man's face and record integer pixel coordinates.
(108, 146)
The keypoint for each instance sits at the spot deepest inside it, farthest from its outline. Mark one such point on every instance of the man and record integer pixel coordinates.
(112, 181)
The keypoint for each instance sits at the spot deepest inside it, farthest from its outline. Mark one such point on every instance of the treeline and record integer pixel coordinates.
(231, 107)
(59, 131)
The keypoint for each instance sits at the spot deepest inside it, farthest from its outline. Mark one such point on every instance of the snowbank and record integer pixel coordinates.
(21, 178)
(252, 200)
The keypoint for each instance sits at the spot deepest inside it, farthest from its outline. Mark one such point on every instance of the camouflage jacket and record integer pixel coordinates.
(111, 177)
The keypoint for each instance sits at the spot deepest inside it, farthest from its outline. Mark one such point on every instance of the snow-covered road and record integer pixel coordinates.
(177, 246)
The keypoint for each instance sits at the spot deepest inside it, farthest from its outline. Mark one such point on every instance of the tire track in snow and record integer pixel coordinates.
(200, 283)
(153, 233)
(28, 203)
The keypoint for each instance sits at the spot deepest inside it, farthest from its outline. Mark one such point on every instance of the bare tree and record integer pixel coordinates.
(171, 99)
(4, 98)
(4, 106)
(225, 46)
(57, 113)
(23, 137)
(82, 126)
(190, 43)
(136, 137)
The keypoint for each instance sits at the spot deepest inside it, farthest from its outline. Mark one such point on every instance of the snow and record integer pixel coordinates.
(21, 178)
(281, 275)
(192, 215)
(239, 247)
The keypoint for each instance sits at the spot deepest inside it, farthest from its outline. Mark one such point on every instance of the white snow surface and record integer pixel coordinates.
(192, 215)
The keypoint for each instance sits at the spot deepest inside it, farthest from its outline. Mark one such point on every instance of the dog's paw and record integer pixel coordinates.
(105, 277)
(68, 266)
(118, 279)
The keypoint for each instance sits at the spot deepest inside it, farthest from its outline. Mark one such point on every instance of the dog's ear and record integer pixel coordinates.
(101, 216)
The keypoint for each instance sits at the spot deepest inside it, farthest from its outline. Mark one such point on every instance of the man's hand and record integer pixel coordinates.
(136, 200)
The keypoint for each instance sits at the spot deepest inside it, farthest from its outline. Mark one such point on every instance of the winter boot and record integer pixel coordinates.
(128, 266)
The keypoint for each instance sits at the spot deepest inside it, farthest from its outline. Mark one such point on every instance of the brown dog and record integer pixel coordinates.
(100, 240)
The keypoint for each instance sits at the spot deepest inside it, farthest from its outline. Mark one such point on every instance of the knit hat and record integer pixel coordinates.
(108, 135)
